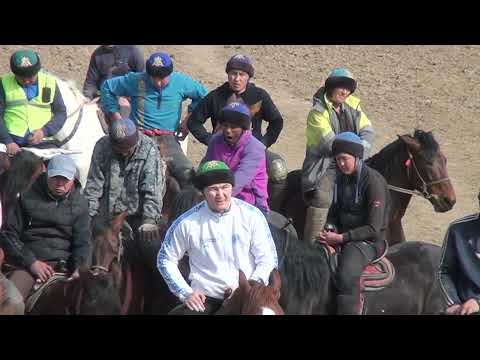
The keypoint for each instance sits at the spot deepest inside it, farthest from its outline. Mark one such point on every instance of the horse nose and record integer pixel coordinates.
(447, 203)
(451, 200)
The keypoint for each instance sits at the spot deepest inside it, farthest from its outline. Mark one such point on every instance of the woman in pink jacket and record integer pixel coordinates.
(243, 153)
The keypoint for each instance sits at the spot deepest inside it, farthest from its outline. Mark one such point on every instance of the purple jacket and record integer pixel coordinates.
(249, 165)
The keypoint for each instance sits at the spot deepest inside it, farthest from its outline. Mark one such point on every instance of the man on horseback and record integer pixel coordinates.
(334, 111)
(108, 61)
(243, 154)
(31, 106)
(157, 96)
(48, 226)
(222, 235)
(459, 273)
(357, 218)
(127, 174)
(238, 88)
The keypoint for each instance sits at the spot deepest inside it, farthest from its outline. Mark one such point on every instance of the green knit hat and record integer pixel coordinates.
(213, 172)
(25, 63)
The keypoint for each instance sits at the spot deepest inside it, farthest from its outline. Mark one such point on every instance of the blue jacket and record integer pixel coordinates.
(153, 108)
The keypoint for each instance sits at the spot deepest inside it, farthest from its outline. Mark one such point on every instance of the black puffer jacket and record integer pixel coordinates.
(41, 227)
(366, 219)
(216, 100)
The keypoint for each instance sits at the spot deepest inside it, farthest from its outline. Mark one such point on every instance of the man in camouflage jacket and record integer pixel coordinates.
(127, 174)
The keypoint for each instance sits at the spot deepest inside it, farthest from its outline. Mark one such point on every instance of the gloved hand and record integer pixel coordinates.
(148, 231)
(148, 227)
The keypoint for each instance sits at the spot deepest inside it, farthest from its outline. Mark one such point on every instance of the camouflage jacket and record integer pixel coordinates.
(115, 185)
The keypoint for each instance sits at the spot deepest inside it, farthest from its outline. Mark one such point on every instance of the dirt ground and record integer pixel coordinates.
(401, 87)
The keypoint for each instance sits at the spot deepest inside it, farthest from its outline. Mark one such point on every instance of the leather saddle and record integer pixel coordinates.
(375, 277)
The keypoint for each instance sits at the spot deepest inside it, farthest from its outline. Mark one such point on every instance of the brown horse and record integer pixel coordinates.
(93, 293)
(254, 298)
(130, 273)
(412, 165)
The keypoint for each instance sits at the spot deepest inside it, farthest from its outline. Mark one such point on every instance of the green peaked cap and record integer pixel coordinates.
(213, 165)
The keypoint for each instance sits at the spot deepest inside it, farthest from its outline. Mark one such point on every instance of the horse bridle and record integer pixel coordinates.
(424, 191)
(58, 143)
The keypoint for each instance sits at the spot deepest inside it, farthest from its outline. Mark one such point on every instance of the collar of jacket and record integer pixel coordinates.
(142, 150)
(246, 135)
(248, 95)
(321, 101)
(218, 215)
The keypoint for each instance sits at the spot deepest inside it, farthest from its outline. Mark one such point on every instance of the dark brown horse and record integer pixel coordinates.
(412, 165)
(308, 283)
(17, 175)
(141, 288)
(5, 309)
(93, 293)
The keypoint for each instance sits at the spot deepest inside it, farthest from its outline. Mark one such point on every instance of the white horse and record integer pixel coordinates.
(89, 130)
(81, 131)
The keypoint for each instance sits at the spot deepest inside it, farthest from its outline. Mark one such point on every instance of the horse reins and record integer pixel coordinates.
(79, 110)
(424, 192)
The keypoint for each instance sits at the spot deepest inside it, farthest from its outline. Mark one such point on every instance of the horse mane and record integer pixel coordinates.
(303, 270)
(184, 201)
(429, 144)
(18, 177)
(100, 295)
(383, 160)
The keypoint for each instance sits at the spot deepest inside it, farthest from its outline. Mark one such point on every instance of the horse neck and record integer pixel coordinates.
(390, 162)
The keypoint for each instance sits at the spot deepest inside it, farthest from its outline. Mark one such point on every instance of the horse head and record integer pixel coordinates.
(427, 169)
(108, 245)
(254, 298)
(96, 293)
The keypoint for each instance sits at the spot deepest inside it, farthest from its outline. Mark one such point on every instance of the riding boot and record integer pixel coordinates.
(348, 305)
(314, 222)
(277, 192)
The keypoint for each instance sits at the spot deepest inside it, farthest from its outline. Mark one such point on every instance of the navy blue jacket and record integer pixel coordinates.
(459, 272)
(107, 62)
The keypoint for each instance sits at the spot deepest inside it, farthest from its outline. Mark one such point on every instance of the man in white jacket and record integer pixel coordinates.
(221, 236)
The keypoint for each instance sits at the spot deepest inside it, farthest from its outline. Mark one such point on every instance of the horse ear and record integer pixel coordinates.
(243, 282)
(2, 257)
(411, 142)
(275, 282)
(118, 221)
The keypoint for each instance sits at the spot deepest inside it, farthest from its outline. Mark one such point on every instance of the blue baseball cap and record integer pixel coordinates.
(62, 165)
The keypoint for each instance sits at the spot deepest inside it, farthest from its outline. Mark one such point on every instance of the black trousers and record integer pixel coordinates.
(212, 307)
(353, 258)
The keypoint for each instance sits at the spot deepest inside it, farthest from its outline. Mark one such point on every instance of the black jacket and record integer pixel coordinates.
(459, 273)
(217, 99)
(106, 63)
(367, 219)
(42, 228)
